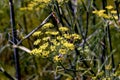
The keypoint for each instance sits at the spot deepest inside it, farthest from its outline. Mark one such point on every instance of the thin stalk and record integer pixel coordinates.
(94, 18)
(110, 45)
(87, 23)
(79, 20)
(103, 51)
(104, 4)
(14, 39)
(109, 35)
(94, 22)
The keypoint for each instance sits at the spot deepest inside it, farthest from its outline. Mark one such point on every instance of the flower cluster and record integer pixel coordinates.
(36, 4)
(54, 43)
(111, 13)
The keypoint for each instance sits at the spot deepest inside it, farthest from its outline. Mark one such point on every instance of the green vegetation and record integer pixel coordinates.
(59, 40)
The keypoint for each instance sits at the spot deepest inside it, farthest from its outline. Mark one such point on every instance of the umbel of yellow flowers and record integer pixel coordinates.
(36, 4)
(54, 43)
(112, 14)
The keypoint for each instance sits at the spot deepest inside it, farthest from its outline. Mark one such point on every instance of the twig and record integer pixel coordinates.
(110, 45)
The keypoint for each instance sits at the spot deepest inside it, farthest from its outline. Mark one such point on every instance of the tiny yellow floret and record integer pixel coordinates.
(57, 58)
(109, 7)
(47, 25)
(63, 29)
(62, 51)
(37, 42)
(113, 11)
(37, 33)
(69, 45)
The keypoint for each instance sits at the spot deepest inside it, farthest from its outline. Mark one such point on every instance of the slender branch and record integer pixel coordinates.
(87, 23)
(110, 45)
(104, 49)
(14, 39)
(109, 34)
(46, 19)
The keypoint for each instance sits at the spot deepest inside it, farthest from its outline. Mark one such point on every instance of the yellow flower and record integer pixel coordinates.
(41, 1)
(46, 1)
(36, 4)
(23, 8)
(37, 33)
(63, 29)
(45, 53)
(105, 16)
(69, 45)
(98, 12)
(63, 41)
(75, 36)
(36, 51)
(59, 38)
(46, 38)
(44, 46)
(32, 4)
(67, 36)
(52, 32)
(101, 13)
(57, 58)
(55, 42)
(62, 51)
(113, 11)
(53, 48)
(33, 51)
(95, 12)
(47, 25)
(109, 7)
(30, 8)
(37, 42)
(116, 17)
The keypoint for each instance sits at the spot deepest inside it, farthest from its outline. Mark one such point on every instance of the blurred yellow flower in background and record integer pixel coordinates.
(109, 7)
